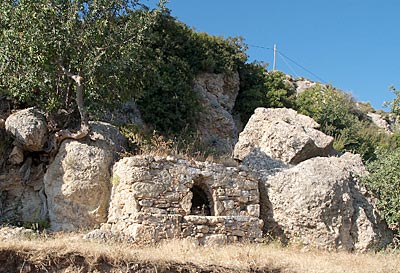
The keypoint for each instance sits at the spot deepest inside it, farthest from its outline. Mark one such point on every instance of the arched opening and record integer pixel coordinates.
(201, 204)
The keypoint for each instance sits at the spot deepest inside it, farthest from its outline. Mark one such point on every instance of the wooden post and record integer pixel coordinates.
(274, 67)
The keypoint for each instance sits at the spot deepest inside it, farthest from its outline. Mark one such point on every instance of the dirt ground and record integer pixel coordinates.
(32, 261)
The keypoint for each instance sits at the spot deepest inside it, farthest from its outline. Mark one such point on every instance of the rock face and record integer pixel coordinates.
(303, 85)
(29, 128)
(282, 134)
(156, 198)
(318, 203)
(379, 121)
(125, 113)
(77, 182)
(217, 94)
(19, 201)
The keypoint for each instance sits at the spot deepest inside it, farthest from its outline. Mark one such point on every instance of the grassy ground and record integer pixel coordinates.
(69, 253)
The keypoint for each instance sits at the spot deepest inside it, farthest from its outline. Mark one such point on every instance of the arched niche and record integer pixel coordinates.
(202, 203)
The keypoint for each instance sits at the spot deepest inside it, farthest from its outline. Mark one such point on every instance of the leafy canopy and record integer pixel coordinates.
(98, 40)
(262, 88)
(122, 50)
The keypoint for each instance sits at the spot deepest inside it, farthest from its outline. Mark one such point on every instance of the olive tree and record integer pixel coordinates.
(52, 49)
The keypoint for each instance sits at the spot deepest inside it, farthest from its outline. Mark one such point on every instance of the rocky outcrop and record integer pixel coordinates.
(380, 122)
(123, 113)
(156, 198)
(77, 182)
(217, 93)
(282, 134)
(302, 85)
(22, 201)
(29, 129)
(318, 203)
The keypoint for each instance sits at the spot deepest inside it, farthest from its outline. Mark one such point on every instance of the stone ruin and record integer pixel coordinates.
(288, 184)
(157, 198)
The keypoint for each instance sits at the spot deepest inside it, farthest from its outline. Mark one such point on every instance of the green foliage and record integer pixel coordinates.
(37, 226)
(252, 90)
(384, 183)
(395, 104)
(328, 106)
(98, 40)
(175, 55)
(260, 88)
(340, 117)
(123, 53)
(279, 93)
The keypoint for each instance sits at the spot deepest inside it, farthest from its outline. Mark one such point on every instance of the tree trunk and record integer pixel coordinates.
(84, 129)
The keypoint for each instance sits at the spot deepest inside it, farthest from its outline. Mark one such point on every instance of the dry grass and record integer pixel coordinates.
(186, 146)
(239, 257)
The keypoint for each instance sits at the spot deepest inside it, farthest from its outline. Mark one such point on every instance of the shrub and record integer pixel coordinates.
(340, 117)
(260, 88)
(384, 183)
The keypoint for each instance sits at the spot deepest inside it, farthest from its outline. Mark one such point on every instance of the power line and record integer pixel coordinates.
(284, 56)
(299, 65)
(291, 68)
(263, 47)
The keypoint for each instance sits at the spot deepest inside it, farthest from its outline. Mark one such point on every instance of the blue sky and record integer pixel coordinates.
(352, 44)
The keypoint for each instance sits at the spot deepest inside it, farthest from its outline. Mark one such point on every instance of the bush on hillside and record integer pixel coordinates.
(176, 54)
(260, 88)
(384, 183)
(339, 116)
(122, 52)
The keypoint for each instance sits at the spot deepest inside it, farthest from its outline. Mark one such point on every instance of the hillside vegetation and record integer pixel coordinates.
(126, 52)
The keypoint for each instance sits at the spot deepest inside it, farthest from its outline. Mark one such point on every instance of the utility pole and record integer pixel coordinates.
(274, 67)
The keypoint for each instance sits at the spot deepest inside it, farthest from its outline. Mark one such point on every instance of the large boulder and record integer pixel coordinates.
(77, 183)
(217, 93)
(29, 128)
(319, 203)
(282, 134)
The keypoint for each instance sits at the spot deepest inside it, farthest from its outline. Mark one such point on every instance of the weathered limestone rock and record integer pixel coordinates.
(19, 201)
(282, 134)
(29, 128)
(379, 121)
(15, 233)
(77, 182)
(217, 94)
(155, 198)
(318, 203)
(302, 85)
(16, 156)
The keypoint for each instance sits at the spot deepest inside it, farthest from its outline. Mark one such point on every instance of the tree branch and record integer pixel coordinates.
(84, 129)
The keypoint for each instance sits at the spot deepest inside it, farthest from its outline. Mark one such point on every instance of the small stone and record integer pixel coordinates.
(214, 240)
(202, 229)
(238, 232)
(16, 156)
(253, 210)
(146, 203)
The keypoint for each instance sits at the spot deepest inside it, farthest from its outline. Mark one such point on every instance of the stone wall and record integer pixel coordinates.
(154, 198)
